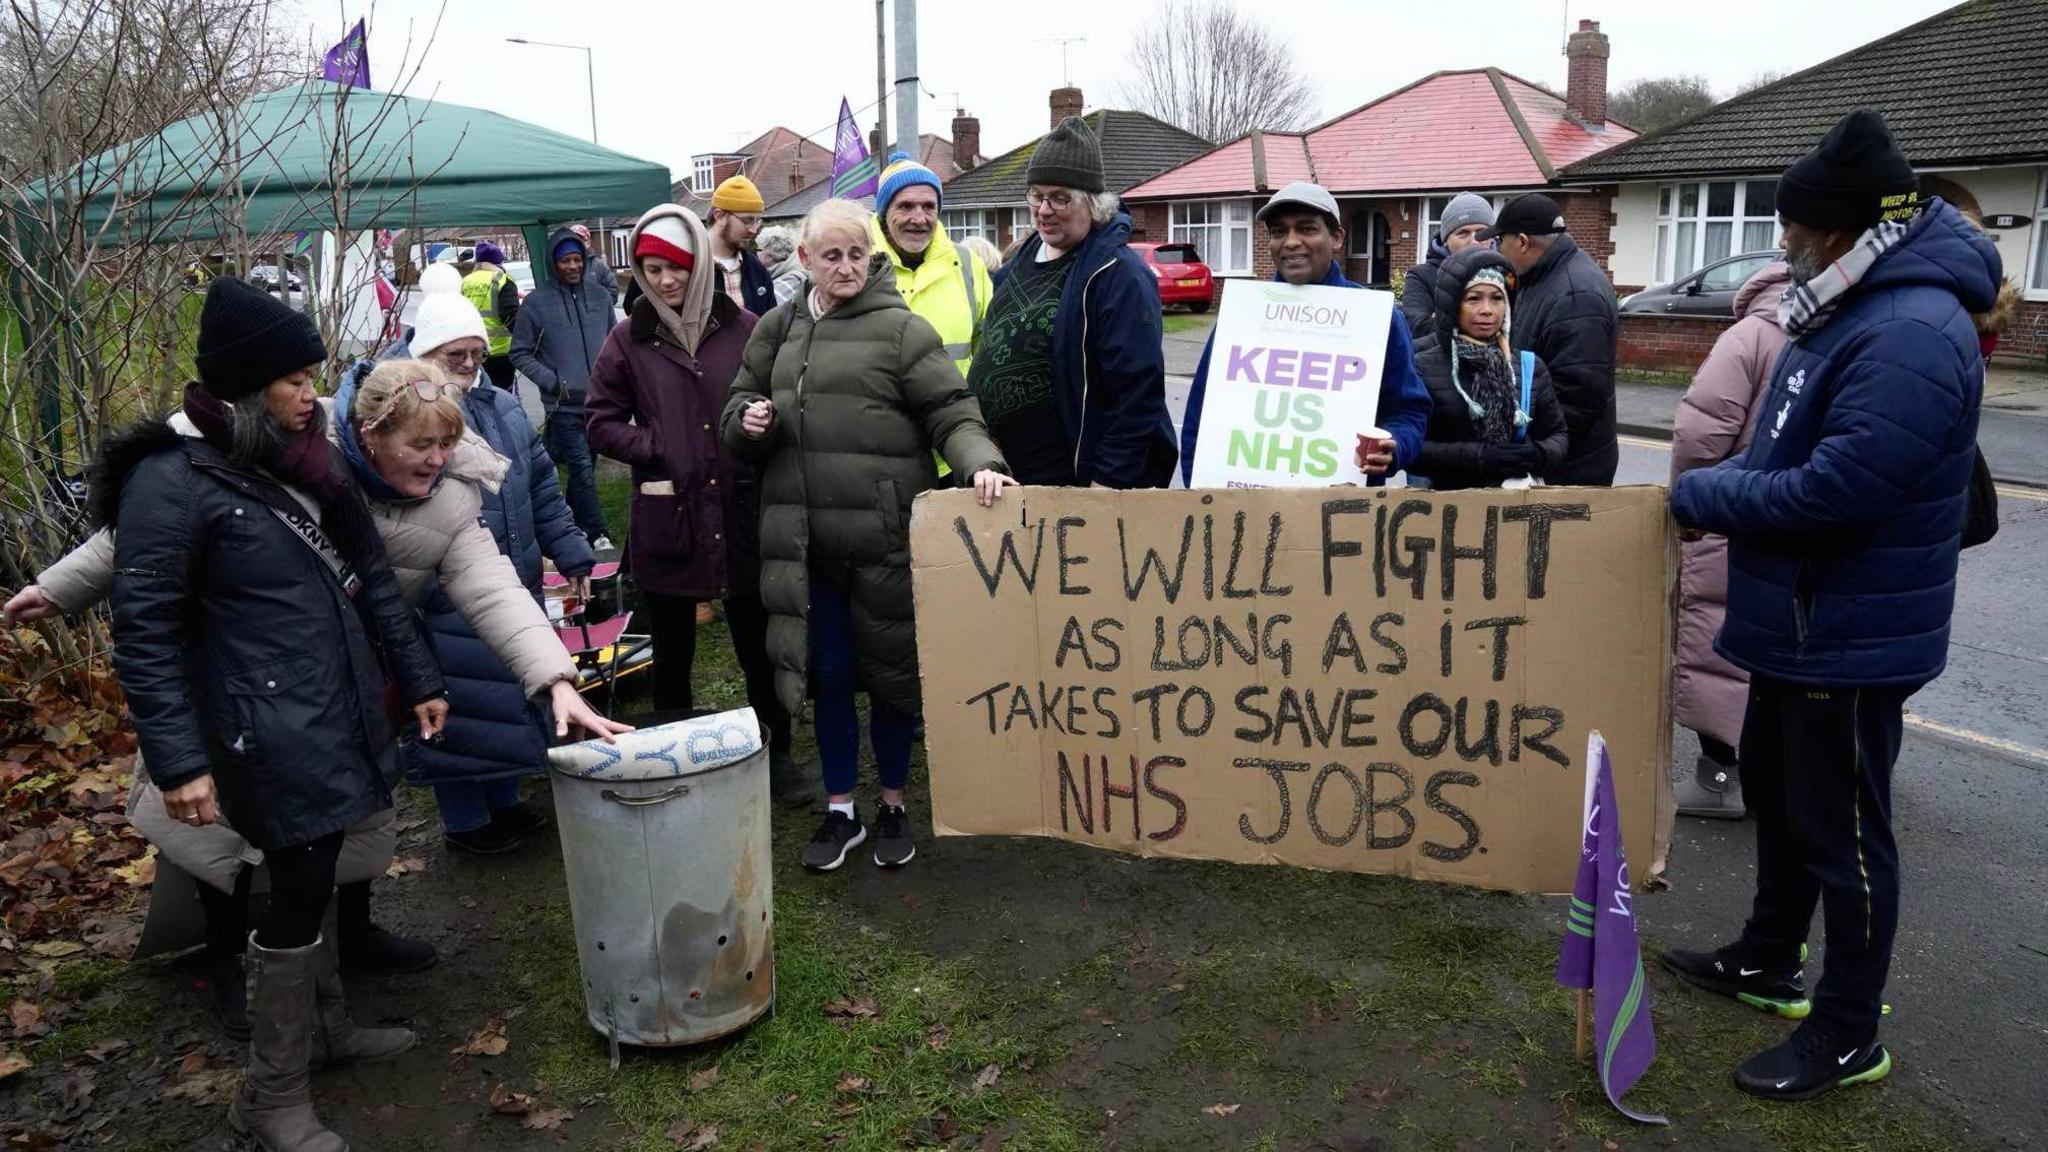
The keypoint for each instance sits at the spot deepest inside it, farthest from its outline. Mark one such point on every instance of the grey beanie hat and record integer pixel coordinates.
(1068, 157)
(1464, 208)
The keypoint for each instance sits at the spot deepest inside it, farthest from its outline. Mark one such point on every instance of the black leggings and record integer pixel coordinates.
(301, 882)
(672, 626)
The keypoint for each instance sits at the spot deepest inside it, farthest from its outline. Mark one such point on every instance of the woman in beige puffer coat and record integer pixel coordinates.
(1714, 423)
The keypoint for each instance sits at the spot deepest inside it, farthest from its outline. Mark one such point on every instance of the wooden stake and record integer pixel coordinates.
(1585, 1040)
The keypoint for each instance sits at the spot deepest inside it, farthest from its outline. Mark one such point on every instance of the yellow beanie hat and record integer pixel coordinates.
(738, 194)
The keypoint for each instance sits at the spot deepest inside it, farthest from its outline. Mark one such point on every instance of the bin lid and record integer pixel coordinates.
(683, 748)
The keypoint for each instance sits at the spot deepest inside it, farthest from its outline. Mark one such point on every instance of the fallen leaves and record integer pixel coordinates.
(844, 1009)
(490, 1040)
(704, 1079)
(199, 1080)
(986, 1078)
(506, 1102)
(402, 867)
(140, 872)
(546, 1119)
(1222, 1109)
(936, 1039)
(27, 1018)
(848, 1082)
(691, 1138)
(11, 1063)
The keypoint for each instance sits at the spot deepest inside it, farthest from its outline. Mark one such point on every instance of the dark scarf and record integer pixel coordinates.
(303, 460)
(1482, 376)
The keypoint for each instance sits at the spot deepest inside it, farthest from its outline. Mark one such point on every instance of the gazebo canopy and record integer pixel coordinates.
(411, 163)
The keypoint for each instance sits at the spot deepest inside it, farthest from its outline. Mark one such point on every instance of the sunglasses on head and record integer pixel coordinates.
(426, 388)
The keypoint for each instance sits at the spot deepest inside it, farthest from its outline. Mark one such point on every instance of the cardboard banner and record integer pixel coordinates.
(1372, 680)
(1294, 377)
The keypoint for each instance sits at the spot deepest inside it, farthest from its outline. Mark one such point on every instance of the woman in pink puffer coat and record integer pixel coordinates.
(1714, 424)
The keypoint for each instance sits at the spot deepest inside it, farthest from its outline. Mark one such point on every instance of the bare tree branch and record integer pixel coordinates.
(1206, 67)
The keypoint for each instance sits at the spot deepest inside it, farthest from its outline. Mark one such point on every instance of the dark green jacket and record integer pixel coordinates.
(862, 397)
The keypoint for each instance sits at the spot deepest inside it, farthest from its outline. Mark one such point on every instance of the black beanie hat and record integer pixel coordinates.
(248, 340)
(1856, 177)
(1068, 157)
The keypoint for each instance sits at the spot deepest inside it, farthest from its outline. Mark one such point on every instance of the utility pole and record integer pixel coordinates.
(907, 83)
(881, 85)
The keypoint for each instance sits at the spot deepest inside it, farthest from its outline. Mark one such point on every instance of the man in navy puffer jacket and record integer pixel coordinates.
(1844, 518)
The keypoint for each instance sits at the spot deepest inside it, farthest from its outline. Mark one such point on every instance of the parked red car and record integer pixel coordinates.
(1183, 278)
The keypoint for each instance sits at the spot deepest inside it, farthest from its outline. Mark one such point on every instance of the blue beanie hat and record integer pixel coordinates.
(569, 241)
(901, 173)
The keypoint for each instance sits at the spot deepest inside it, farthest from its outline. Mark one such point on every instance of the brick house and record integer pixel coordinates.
(1965, 93)
(779, 162)
(946, 158)
(989, 200)
(1394, 163)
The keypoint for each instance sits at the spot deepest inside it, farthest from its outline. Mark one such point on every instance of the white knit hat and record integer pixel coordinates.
(445, 314)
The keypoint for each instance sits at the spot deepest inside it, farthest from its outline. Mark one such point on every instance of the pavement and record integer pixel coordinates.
(1969, 980)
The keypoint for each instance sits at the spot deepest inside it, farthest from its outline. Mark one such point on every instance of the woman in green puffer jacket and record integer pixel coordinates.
(842, 396)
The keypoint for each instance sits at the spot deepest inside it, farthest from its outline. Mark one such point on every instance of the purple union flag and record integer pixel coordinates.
(349, 61)
(1600, 949)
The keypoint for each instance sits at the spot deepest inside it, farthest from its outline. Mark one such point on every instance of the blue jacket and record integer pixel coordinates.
(1404, 398)
(493, 730)
(1845, 514)
(557, 334)
(1109, 365)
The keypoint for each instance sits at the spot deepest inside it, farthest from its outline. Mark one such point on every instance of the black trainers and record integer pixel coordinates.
(493, 839)
(377, 951)
(522, 819)
(837, 835)
(893, 845)
(1733, 972)
(1811, 1061)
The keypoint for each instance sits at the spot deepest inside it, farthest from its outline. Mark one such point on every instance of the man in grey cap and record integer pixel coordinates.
(1564, 313)
(1464, 218)
(1305, 236)
(1071, 371)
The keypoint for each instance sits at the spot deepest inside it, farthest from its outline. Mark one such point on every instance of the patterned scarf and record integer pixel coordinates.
(1808, 307)
(1481, 374)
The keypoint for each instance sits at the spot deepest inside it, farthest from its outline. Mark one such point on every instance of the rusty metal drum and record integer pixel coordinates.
(665, 847)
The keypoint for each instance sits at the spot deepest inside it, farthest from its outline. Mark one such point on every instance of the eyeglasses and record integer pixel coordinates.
(454, 357)
(1058, 201)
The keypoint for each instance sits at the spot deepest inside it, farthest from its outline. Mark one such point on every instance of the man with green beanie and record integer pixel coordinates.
(1071, 373)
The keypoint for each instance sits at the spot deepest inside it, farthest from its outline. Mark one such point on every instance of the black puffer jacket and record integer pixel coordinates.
(1452, 455)
(239, 651)
(1564, 312)
(1418, 295)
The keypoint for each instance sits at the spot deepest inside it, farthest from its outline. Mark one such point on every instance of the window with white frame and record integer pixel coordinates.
(1700, 222)
(964, 222)
(1433, 208)
(1220, 230)
(701, 169)
(2038, 284)
(1021, 223)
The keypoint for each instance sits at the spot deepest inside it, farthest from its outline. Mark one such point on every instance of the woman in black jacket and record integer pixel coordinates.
(1480, 435)
(251, 601)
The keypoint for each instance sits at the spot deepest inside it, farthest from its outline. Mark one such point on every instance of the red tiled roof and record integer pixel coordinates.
(1447, 131)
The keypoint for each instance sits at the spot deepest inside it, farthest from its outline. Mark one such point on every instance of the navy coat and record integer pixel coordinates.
(1845, 514)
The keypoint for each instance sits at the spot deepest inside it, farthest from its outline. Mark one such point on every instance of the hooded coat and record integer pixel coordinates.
(1845, 514)
(862, 396)
(1565, 313)
(1714, 422)
(240, 651)
(949, 288)
(695, 519)
(558, 332)
(1452, 453)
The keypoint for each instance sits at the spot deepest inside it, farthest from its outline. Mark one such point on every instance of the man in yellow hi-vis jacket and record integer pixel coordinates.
(939, 280)
(496, 296)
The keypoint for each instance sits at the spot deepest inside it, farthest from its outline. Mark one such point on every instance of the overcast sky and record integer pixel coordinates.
(678, 78)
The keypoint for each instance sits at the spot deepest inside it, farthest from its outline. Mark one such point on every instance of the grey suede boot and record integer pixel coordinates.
(337, 1039)
(792, 782)
(1713, 793)
(275, 1104)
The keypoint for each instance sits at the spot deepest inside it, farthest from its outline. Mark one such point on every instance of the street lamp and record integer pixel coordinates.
(589, 67)
(590, 73)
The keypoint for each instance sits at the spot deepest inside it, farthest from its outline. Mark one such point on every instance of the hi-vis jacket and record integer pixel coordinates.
(950, 290)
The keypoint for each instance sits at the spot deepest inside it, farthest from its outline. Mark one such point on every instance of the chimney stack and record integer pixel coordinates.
(797, 176)
(1585, 92)
(1065, 102)
(966, 141)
